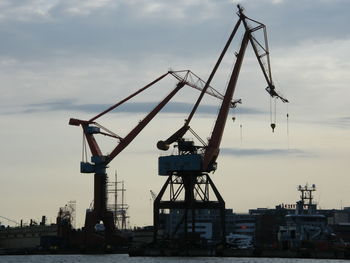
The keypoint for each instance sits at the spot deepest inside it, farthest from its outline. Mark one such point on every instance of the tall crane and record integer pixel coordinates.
(99, 160)
(188, 181)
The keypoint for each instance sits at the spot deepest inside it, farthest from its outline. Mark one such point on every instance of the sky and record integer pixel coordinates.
(74, 58)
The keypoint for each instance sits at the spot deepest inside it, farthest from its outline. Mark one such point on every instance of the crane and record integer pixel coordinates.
(99, 160)
(188, 173)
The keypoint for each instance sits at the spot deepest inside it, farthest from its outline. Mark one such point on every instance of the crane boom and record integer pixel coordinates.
(134, 132)
(212, 150)
(265, 68)
(164, 145)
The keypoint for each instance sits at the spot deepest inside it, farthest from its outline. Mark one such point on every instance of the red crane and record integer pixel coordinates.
(99, 160)
(188, 171)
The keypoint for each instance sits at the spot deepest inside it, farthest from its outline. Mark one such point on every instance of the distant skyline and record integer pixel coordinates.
(73, 58)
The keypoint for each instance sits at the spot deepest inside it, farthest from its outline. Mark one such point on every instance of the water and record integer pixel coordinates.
(126, 259)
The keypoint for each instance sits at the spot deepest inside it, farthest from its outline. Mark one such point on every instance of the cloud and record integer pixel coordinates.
(265, 152)
(38, 10)
(136, 107)
(122, 41)
(342, 122)
(85, 7)
(319, 21)
(40, 29)
(48, 11)
(24, 10)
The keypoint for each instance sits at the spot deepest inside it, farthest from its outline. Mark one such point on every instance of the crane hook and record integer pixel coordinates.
(273, 126)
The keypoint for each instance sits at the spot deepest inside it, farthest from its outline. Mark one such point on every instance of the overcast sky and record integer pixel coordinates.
(73, 58)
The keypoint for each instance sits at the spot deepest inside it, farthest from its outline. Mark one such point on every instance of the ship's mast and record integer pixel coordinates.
(306, 198)
(119, 210)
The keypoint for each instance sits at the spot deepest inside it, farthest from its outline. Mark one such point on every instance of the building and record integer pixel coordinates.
(207, 223)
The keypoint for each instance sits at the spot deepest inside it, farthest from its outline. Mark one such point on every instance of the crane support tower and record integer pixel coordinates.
(188, 172)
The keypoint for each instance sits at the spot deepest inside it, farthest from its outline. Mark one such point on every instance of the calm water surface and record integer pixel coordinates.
(127, 259)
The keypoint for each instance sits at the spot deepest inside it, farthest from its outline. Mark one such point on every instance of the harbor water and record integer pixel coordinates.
(118, 258)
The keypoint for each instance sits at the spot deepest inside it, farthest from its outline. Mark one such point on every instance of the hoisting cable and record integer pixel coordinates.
(233, 113)
(240, 126)
(275, 110)
(287, 127)
(273, 113)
